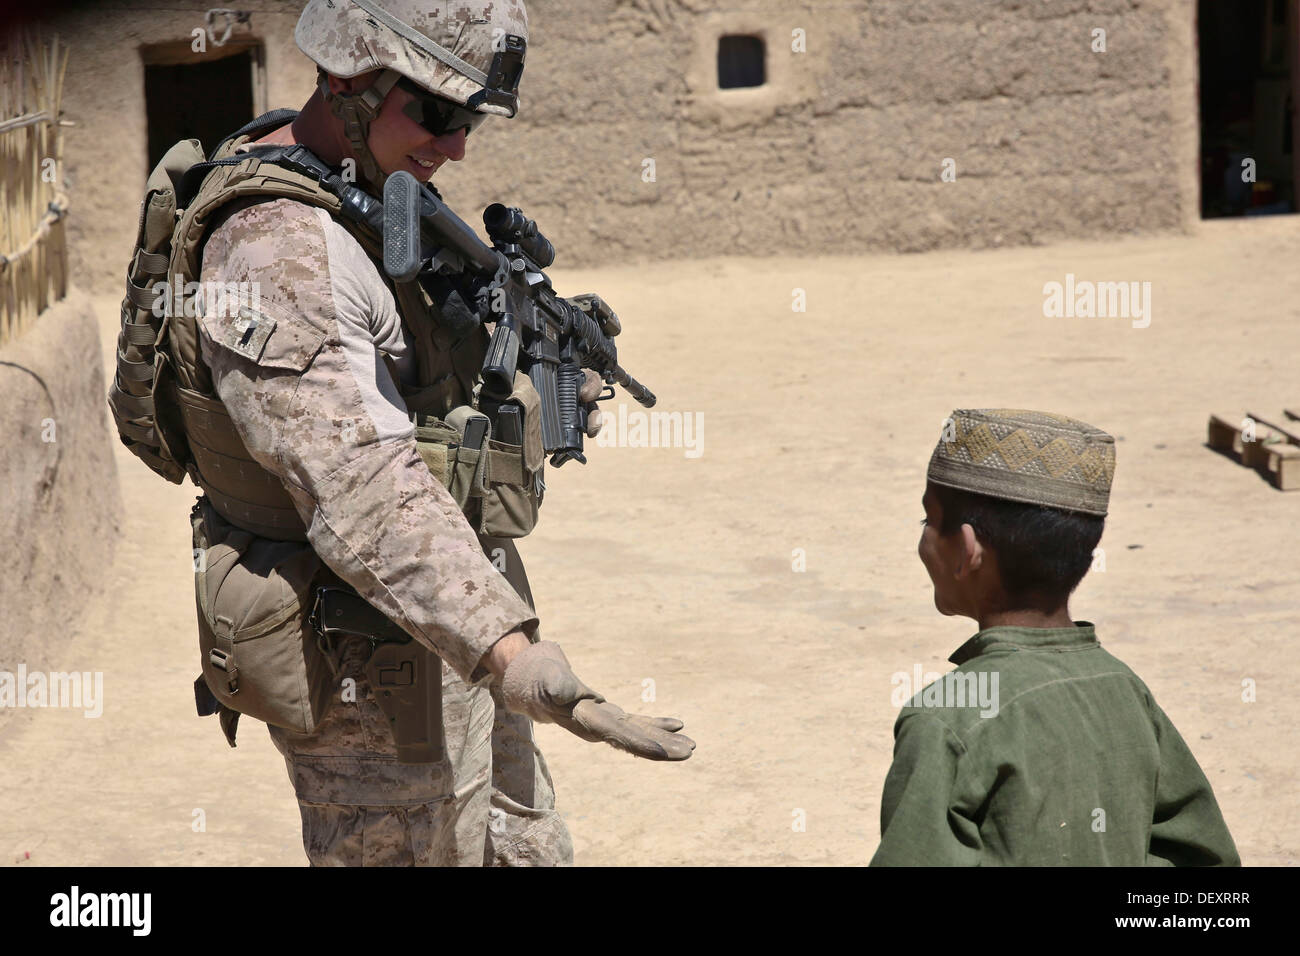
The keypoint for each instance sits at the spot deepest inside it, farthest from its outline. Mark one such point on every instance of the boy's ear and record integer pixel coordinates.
(972, 552)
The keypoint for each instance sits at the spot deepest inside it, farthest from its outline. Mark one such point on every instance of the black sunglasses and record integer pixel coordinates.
(438, 114)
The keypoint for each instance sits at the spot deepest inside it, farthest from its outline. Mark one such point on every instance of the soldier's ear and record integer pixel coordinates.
(358, 83)
(353, 84)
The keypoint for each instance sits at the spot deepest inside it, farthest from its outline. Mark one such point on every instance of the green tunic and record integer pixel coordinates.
(1072, 763)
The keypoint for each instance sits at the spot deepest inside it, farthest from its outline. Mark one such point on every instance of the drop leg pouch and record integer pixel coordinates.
(258, 650)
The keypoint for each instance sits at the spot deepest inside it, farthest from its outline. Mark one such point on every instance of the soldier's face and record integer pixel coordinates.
(398, 142)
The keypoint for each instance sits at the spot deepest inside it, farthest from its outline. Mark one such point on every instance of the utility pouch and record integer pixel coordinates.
(498, 485)
(258, 651)
(139, 397)
(467, 472)
(436, 441)
(514, 475)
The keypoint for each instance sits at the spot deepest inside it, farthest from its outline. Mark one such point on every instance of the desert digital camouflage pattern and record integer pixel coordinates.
(307, 408)
(490, 801)
(345, 40)
(313, 401)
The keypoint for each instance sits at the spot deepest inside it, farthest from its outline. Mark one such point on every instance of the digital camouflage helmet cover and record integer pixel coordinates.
(470, 52)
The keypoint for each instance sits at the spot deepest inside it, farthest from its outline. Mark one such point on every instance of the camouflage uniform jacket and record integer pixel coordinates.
(320, 411)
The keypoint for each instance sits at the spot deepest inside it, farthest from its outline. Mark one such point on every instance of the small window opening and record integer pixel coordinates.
(741, 62)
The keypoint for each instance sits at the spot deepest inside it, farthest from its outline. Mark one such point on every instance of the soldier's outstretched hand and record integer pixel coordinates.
(540, 684)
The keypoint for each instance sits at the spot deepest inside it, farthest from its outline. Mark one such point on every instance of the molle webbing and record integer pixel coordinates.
(143, 374)
(241, 490)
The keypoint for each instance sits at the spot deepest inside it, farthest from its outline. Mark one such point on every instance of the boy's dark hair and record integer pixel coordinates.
(1043, 553)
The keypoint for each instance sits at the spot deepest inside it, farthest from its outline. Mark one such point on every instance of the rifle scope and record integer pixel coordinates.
(506, 224)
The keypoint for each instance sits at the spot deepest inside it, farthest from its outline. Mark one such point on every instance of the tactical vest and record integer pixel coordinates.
(169, 415)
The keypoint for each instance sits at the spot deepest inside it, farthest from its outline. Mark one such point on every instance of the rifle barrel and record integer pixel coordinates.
(448, 229)
(634, 388)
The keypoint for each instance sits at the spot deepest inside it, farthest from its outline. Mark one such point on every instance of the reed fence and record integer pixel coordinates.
(33, 246)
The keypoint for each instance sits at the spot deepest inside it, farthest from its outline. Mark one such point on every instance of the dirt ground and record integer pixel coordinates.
(817, 429)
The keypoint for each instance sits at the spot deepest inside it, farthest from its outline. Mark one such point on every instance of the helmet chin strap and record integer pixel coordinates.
(357, 110)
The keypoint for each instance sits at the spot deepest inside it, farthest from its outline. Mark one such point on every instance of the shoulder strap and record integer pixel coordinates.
(224, 154)
(273, 119)
(356, 205)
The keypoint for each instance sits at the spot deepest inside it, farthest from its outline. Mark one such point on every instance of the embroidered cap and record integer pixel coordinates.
(1032, 457)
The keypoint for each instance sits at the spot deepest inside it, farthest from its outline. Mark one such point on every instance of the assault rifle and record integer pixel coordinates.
(549, 337)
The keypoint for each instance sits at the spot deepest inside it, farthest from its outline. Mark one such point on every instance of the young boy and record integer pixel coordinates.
(1041, 748)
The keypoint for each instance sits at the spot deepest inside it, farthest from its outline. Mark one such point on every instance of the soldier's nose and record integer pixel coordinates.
(452, 145)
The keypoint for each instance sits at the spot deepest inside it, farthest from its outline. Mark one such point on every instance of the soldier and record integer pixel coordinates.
(326, 382)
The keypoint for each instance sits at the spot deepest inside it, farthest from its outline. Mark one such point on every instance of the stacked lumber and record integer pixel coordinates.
(1260, 443)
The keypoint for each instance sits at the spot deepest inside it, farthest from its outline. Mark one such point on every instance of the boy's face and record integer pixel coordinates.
(950, 560)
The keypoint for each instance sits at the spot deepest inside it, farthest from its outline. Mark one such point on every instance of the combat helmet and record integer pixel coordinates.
(470, 52)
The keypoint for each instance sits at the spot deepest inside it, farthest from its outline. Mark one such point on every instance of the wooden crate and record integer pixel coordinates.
(1283, 466)
(1224, 434)
(1254, 454)
(1273, 453)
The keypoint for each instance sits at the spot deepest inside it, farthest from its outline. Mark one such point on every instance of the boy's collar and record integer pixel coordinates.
(1025, 638)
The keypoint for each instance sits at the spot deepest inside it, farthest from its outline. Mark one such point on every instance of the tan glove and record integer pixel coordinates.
(540, 684)
(592, 385)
